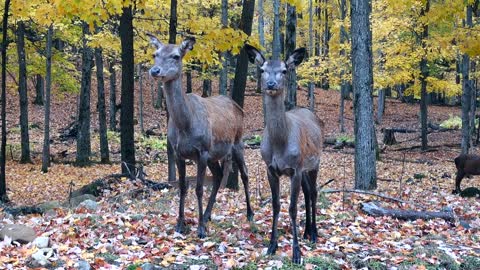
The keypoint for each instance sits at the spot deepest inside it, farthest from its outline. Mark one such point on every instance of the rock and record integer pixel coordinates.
(75, 201)
(41, 242)
(42, 256)
(149, 266)
(18, 232)
(83, 265)
(46, 206)
(89, 204)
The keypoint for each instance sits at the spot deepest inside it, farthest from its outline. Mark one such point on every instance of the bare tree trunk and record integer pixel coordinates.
(3, 183)
(467, 93)
(39, 90)
(290, 43)
(261, 37)
(127, 96)
(223, 83)
(113, 97)
(48, 88)
(22, 90)
(172, 38)
(380, 105)
(276, 47)
(140, 98)
(159, 99)
(189, 81)
(326, 39)
(102, 113)
(83, 135)
(311, 84)
(343, 84)
(365, 142)
(423, 81)
(207, 88)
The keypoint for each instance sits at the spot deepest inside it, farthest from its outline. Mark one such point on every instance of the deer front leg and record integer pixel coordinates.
(458, 181)
(201, 168)
(183, 186)
(296, 182)
(217, 179)
(275, 188)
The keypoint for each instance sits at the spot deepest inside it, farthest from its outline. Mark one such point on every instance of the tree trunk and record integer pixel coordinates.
(22, 90)
(159, 99)
(423, 82)
(343, 84)
(207, 88)
(102, 113)
(172, 26)
(276, 46)
(326, 39)
(290, 43)
(375, 210)
(113, 97)
(261, 37)
(467, 93)
(127, 98)
(365, 167)
(223, 81)
(189, 81)
(83, 135)
(311, 84)
(39, 90)
(380, 105)
(238, 91)
(140, 98)
(48, 88)
(3, 182)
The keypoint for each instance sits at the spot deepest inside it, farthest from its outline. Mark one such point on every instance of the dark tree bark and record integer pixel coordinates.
(189, 81)
(127, 98)
(343, 84)
(365, 142)
(467, 93)
(113, 97)
(380, 105)
(223, 80)
(83, 135)
(22, 91)
(240, 81)
(3, 182)
(276, 46)
(159, 99)
(290, 43)
(48, 88)
(140, 98)
(207, 88)
(423, 81)
(172, 39)
(325, 46)
(102, 113)
(39, 90)
(311, 84)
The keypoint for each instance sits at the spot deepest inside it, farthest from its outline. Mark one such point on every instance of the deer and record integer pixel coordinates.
(466, 164)
(207, 131)
(291, 145)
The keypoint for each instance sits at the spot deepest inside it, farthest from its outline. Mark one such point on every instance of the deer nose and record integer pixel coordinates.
(271, 85)
(154, 71)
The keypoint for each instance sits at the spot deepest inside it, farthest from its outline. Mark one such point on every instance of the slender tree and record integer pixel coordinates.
(311, 84)
(365, 170)
(424, 72)
(83, 135)
(223, 80)
(467, 92)
(3, 182)
(102, 113)
(261, 37)
(39, 90)
(276, 47)
(127, 97)
(290, 44)
(140, 98)
(344, 83)
(113, 97)
(48, 88)
(22, 90)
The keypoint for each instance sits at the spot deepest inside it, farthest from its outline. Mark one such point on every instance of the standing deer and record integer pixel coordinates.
(292, 144)
(205, 130)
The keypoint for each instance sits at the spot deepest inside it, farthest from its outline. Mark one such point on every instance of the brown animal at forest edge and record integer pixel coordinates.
(205, 130)
(467, 164)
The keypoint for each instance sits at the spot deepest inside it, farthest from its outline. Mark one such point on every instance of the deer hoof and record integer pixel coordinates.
(250, 216)
(180, 227)
(297, 256)
(201, 232)
(272, 248)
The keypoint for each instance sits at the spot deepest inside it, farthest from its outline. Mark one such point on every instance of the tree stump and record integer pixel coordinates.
(389, 136)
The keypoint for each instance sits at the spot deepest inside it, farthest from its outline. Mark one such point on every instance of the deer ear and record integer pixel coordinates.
(187, 45)
(254, 56)
(154, 41)
(296, 58)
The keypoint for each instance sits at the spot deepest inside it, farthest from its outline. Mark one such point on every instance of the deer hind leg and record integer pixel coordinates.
(183, 187)
(312, 178)
(306, 195)
(238, 157)
(217, 174)
(295, 184)
(458, 181)
(201, 168)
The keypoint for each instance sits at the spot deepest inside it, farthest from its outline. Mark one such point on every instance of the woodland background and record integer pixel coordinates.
(66, 88)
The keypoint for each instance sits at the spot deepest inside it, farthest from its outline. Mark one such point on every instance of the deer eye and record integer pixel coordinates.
(176, 57)
(284, 71)
(261, 70)
(153, 55)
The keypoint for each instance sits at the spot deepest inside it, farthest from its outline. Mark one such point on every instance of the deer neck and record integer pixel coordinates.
(276, 120)
(177, 104)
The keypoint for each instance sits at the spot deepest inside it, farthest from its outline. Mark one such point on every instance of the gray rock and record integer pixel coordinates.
(89, 204)
(83, 265)
(75, 201)
(41, 242)
(149, 266)
(18, 232)
(47, 206)
(42, 257)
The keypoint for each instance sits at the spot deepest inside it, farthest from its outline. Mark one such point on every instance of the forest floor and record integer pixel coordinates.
(131, 228)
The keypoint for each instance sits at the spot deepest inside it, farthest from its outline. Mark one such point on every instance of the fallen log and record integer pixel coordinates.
(375, 210)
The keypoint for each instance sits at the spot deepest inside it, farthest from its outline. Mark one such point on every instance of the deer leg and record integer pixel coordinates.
(275, 188)
(217, 179)
(295, 182)
(201, 168)
(306, 195)
(312, 178)
(458, 180)
(183, 187)
(237, 152)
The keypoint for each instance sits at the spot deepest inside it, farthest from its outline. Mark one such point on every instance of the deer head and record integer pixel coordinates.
(274, 71)
(168, 58)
